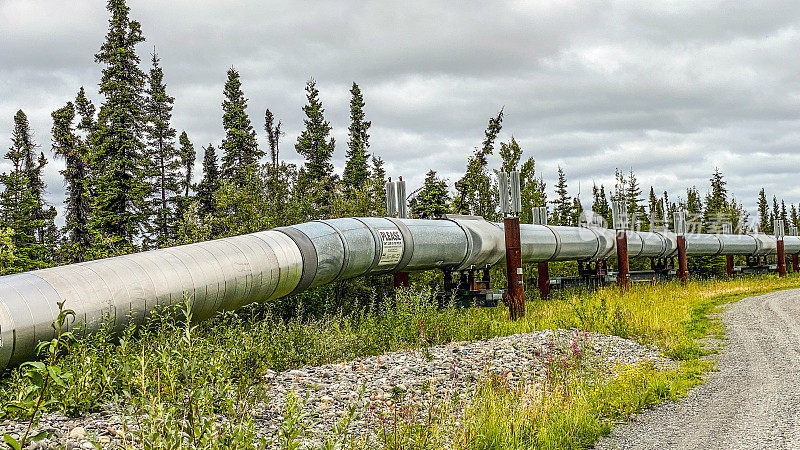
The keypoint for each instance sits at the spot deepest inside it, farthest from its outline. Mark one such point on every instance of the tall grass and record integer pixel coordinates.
(178, 378)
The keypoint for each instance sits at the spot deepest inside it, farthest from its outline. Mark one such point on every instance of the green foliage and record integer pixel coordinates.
(316, 179)
(356, 171)
(22, 207)
(433, 200)
(165, 159)
(240, 149)
(119, 165)
(563, 204)
(475, 191)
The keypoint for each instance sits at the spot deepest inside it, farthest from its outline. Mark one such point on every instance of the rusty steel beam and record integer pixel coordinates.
(515, 296)
(683, 264)
(543, 269)
(401, 280)
(795, 263)
(781, 259)
(729, 265)
(623, 268)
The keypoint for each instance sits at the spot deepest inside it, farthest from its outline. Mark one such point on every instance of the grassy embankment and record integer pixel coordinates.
(176, 380)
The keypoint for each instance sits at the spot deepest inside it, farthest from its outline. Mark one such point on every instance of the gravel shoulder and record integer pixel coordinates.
(752, 401)
(412, 380)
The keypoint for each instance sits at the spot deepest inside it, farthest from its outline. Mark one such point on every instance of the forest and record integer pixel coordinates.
(130, 177)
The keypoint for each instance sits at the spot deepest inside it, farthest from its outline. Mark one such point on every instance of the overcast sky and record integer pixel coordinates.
(670, 89)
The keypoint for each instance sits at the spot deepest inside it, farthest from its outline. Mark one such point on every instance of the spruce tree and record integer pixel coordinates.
(633, 197)
(775, 214)
(656, 208)
(119, 166)
(600, 204)
(717, 208)
(510, 155)
(562, 205)
(793, 216)
(209, 184)
(474, 193)
(274, 134)
(22, 209)
(315, 181)
(69, 146)
(431, 202)
(764, 225)
(164, 157)
(356, 171)
(188, 156)
(377, 187)
(532, 190)
(240, 148)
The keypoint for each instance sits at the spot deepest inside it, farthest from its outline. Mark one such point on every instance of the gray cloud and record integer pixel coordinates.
(670, 90)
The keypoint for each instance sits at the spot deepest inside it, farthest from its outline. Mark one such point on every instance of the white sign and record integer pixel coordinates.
(392, 241)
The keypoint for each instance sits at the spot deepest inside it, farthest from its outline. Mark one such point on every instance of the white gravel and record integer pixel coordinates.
(417, 379)
(751, 402)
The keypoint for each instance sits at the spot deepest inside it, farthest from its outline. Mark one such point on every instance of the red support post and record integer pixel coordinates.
(515, 296)
(683, 264)
(781, 259)
(623, 268)
(544, 280)
(795, 263)
(729, 265)
(401, 279)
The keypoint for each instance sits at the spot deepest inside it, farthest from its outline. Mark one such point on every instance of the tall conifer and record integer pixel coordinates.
(240, 148)
(474, 193)
(119, 165)
(164, 157)
(315, 180)
(209, 184)
(356, 171)
(69, 146)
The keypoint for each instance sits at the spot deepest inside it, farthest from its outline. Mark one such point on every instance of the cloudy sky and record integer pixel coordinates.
(669, 89)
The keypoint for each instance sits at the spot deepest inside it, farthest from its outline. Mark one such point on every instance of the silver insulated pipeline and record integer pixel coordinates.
(225, 274)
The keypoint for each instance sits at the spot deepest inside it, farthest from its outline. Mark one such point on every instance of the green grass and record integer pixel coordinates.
(175, 378)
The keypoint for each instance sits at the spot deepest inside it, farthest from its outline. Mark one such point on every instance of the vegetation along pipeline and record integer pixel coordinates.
(225, 274)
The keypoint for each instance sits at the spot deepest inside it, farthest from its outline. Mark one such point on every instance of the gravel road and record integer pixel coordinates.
(751, 402)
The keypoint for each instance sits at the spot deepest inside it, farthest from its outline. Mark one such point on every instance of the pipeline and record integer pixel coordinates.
(226, 274)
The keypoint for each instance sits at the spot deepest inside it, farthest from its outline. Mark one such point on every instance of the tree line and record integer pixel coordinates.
(129, 175)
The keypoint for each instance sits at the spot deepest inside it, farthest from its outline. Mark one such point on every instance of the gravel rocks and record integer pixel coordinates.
(750, 402)
(366, 389)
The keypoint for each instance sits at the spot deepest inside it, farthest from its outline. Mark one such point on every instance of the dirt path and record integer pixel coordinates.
(752, 402)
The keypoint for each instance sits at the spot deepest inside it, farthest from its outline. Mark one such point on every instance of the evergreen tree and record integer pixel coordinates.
(775, 214)
(764, 224)
(633, 197)
(656, 210)
(164, 157)
(209, 184)
(21, 201)
(377, 187)
(431, 202)
(187, 156)
(240, 149)
(119, 167)
(784, 215)
(532, 190)
(315, 181)
(562, 205)
(600, 205)
(274, 134)
(576, 212)
(68, 145)
(717, 208)
(510, 154)
(356, 171)
(474, 193)
(793, 216)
